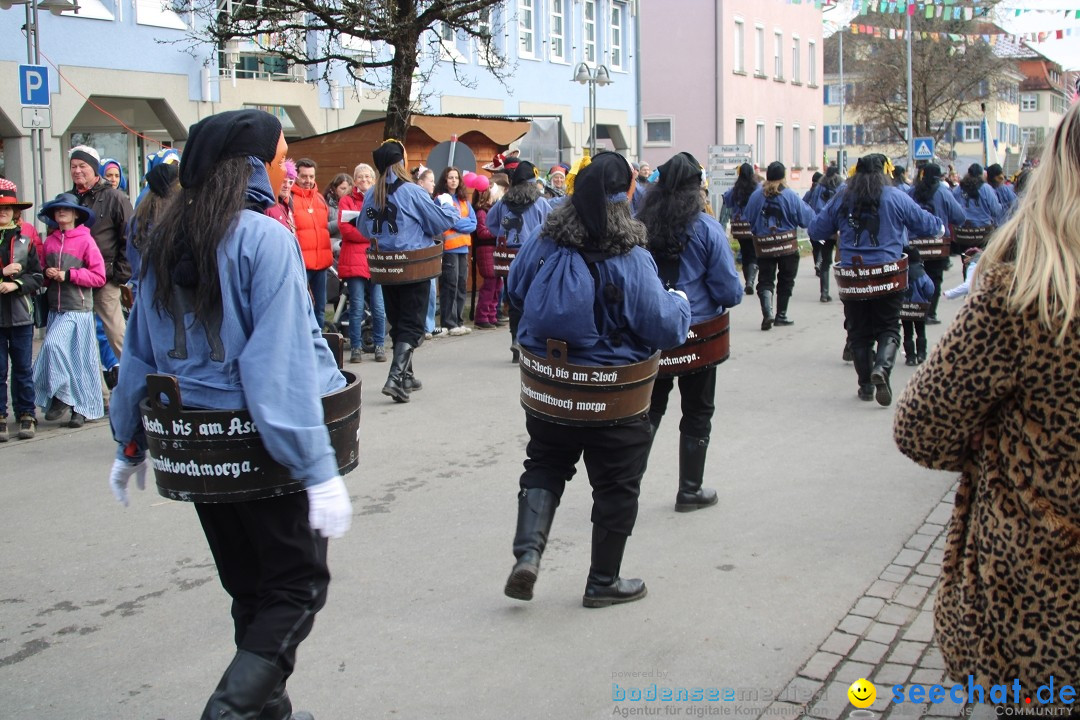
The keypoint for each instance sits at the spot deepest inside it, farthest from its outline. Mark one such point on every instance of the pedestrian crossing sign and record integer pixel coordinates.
(924, 148)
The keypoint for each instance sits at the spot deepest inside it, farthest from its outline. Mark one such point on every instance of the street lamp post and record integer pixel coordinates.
(33, 56)
(600, 76)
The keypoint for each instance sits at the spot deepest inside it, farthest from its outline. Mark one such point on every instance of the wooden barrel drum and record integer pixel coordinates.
(708, 344)
(864, 282)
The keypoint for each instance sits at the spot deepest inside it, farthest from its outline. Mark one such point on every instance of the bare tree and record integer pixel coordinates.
(950, 78)
(369, 38)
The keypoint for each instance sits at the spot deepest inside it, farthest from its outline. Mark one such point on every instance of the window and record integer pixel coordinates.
(657, 131)
(759, 51)
(1058, 104)
(154, 12)
(832, 135)
(485, 49)
(796, 147)
(738, 42)
(778, 55)
(1002, 132)
(557, 31)
(740, 131)
(589, 35)
(972, 132)
(779, 142)
(795, 48)
(811, 141)
(526, 32)
(811, 59)
(833, 94)
(1014, 134)
(616, 46)
(448, 43)
(759, 145)
(1029, 102)
(1031, 135)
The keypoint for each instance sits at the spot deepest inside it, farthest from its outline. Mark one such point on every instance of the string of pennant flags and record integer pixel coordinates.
(990, 38)
(946, 9)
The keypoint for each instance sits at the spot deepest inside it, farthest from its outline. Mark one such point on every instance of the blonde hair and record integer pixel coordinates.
(772, 188)
(1042, 239)
(398, 169)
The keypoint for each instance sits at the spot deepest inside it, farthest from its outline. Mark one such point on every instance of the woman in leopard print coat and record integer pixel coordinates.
(1005, 374)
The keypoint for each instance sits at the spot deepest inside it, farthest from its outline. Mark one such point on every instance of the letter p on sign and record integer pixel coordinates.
(34, 85)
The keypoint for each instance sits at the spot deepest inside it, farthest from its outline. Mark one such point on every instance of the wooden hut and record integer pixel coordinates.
(342, 150)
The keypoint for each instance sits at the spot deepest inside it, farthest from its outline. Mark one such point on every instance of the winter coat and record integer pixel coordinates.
(17, 308)
(482, 235)
(997, 401)
(353, 261)
(76, 252)
(920, 288)
(312, 217)
(113, 211)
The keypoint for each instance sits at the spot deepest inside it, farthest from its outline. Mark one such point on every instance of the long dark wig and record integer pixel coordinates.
(147, 215)
(668, 213)
(745, 185)
(972, 182)
(862, 194)
(183, 245)
(927, 185)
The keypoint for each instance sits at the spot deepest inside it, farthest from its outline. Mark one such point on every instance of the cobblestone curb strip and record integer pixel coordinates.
(886, 637)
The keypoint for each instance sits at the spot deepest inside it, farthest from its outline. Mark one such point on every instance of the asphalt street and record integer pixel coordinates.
(107, 612)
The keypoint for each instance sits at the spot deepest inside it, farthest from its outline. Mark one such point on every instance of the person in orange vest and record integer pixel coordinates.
(455, 259)
(312, 217)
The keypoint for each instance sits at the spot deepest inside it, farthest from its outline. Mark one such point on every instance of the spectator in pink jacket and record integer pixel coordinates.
(66, 375)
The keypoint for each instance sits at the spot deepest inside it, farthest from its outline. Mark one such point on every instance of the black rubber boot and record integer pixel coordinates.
(395, 381)
(604, 586)
(883, 364)
(920, 350)
(691, 496)
(279, 707)
(247, 685)
(536, 511)
(864, 361)
(846, 356)
(409, 381)
(765, 297)
(823, 284)
(781, 310)
(750, 271)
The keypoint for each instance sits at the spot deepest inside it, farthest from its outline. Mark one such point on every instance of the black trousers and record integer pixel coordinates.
(778, 273)
(914, 336)
(746, 250)
(273, 565)
(615, 459)
(935, 268)
(697, 392)
(873, 320)
(406, 311)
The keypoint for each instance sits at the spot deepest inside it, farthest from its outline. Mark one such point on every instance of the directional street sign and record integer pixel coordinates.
(924, 148)
(34, 85)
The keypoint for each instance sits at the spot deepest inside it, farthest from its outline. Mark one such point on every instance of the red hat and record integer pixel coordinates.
(9, 196)
(503, 161)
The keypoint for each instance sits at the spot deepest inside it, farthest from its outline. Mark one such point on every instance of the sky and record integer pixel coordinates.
(1066, 51)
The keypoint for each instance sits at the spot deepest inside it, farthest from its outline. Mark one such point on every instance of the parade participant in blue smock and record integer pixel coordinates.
(873, 218)
(399, 215)
(516, 216)
(934, 196)
(164, 156)
(693, 255)
(223, 306)
(112, 172)
(820, 196)
(774, 209)
(920, 290)
(162, 180)
(995, 178)
(979, 201)
(621, 315)
(735, 200)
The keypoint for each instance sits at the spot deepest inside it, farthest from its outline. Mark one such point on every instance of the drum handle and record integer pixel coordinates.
(167, 385)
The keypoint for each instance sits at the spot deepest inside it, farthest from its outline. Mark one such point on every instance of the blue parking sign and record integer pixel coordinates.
(34, 85)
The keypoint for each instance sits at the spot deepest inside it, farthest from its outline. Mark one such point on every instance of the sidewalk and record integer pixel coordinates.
(887, 638)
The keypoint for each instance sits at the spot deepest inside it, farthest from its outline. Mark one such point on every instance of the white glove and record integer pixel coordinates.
(330, 510)
(446, 200)
(680, 293)
(121, 474)
(941, 232)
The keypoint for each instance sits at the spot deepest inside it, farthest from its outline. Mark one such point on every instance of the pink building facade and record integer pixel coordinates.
(723, 72)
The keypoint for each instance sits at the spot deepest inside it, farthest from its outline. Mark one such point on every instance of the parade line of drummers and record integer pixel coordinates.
(617, 281)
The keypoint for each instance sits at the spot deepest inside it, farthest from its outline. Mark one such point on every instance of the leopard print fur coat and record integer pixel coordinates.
(998, 402)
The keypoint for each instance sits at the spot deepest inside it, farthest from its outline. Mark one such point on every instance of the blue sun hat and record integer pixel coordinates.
(83, 215)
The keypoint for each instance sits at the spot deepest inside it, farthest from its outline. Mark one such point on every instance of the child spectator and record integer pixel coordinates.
(487, 306)
(970, 259)
(66, 370)
(20, 278)
(920, 289)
